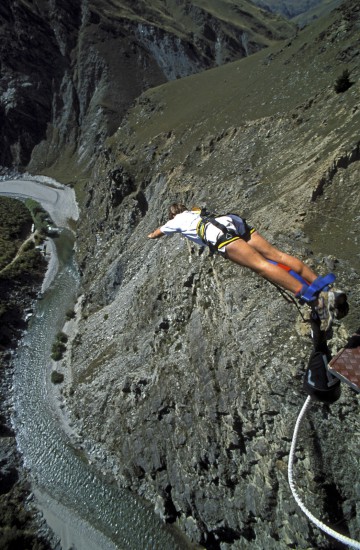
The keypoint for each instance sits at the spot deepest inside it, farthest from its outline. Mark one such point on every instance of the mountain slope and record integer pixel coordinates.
(201, 19)
(300, 11)
(186, 368)
(316, 12)
(71, 70)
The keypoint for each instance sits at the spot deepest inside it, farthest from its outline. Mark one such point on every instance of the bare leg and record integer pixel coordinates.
(271, 253)
(245, 254)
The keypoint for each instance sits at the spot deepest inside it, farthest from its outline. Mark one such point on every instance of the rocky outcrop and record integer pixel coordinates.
(343, 161)
(187, 369)
(26, 82)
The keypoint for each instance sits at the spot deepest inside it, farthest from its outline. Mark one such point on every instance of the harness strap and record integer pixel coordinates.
(290, 271)
(229, 235)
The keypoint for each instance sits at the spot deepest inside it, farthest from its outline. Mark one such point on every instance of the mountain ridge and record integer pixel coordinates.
(302, 12)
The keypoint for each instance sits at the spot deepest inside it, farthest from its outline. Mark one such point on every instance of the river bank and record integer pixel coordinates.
(21, 523)
(82, 504)
(57, 199)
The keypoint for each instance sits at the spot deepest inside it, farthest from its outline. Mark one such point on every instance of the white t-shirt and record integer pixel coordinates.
(186, 224)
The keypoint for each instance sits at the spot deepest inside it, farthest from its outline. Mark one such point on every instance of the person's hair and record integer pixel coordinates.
(176, 208)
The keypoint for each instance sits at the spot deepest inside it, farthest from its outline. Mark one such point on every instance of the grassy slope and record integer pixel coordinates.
(298, 8)
(273, 81)
(266, 28)
(316, 12)
(292, 82)
(15, 223)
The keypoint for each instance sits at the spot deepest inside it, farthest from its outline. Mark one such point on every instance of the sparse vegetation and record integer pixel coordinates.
(15, 225)
(59, 346)
(40, 217)
(343, 82)
(57, 377)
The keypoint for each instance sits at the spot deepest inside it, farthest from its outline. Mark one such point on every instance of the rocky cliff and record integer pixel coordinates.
(186, 369)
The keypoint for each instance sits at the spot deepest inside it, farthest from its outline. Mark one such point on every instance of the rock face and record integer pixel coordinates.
(70, 70)
(187, 369)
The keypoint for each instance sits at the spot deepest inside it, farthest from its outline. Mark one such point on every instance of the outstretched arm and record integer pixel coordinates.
(156, 234)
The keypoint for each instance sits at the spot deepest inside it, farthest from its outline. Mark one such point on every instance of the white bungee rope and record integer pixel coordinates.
(345, 540)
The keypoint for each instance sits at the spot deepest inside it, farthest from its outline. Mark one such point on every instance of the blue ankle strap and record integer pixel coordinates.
(309, 293)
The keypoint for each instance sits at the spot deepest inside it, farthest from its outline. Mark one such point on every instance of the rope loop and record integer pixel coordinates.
(345, 540)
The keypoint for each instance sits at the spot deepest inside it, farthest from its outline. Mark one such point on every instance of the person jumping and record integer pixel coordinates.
(233, 238)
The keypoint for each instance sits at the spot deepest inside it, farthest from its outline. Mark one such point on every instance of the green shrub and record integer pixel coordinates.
(58, 351)
(57, 377)
(343, 82)
(59, 346)
(62, 337)
(70, 314)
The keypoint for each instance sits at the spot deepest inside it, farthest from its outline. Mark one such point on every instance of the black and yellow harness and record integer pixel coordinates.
(228, 234)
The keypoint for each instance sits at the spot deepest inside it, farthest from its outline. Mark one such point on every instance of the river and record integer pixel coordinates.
(85, 511)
